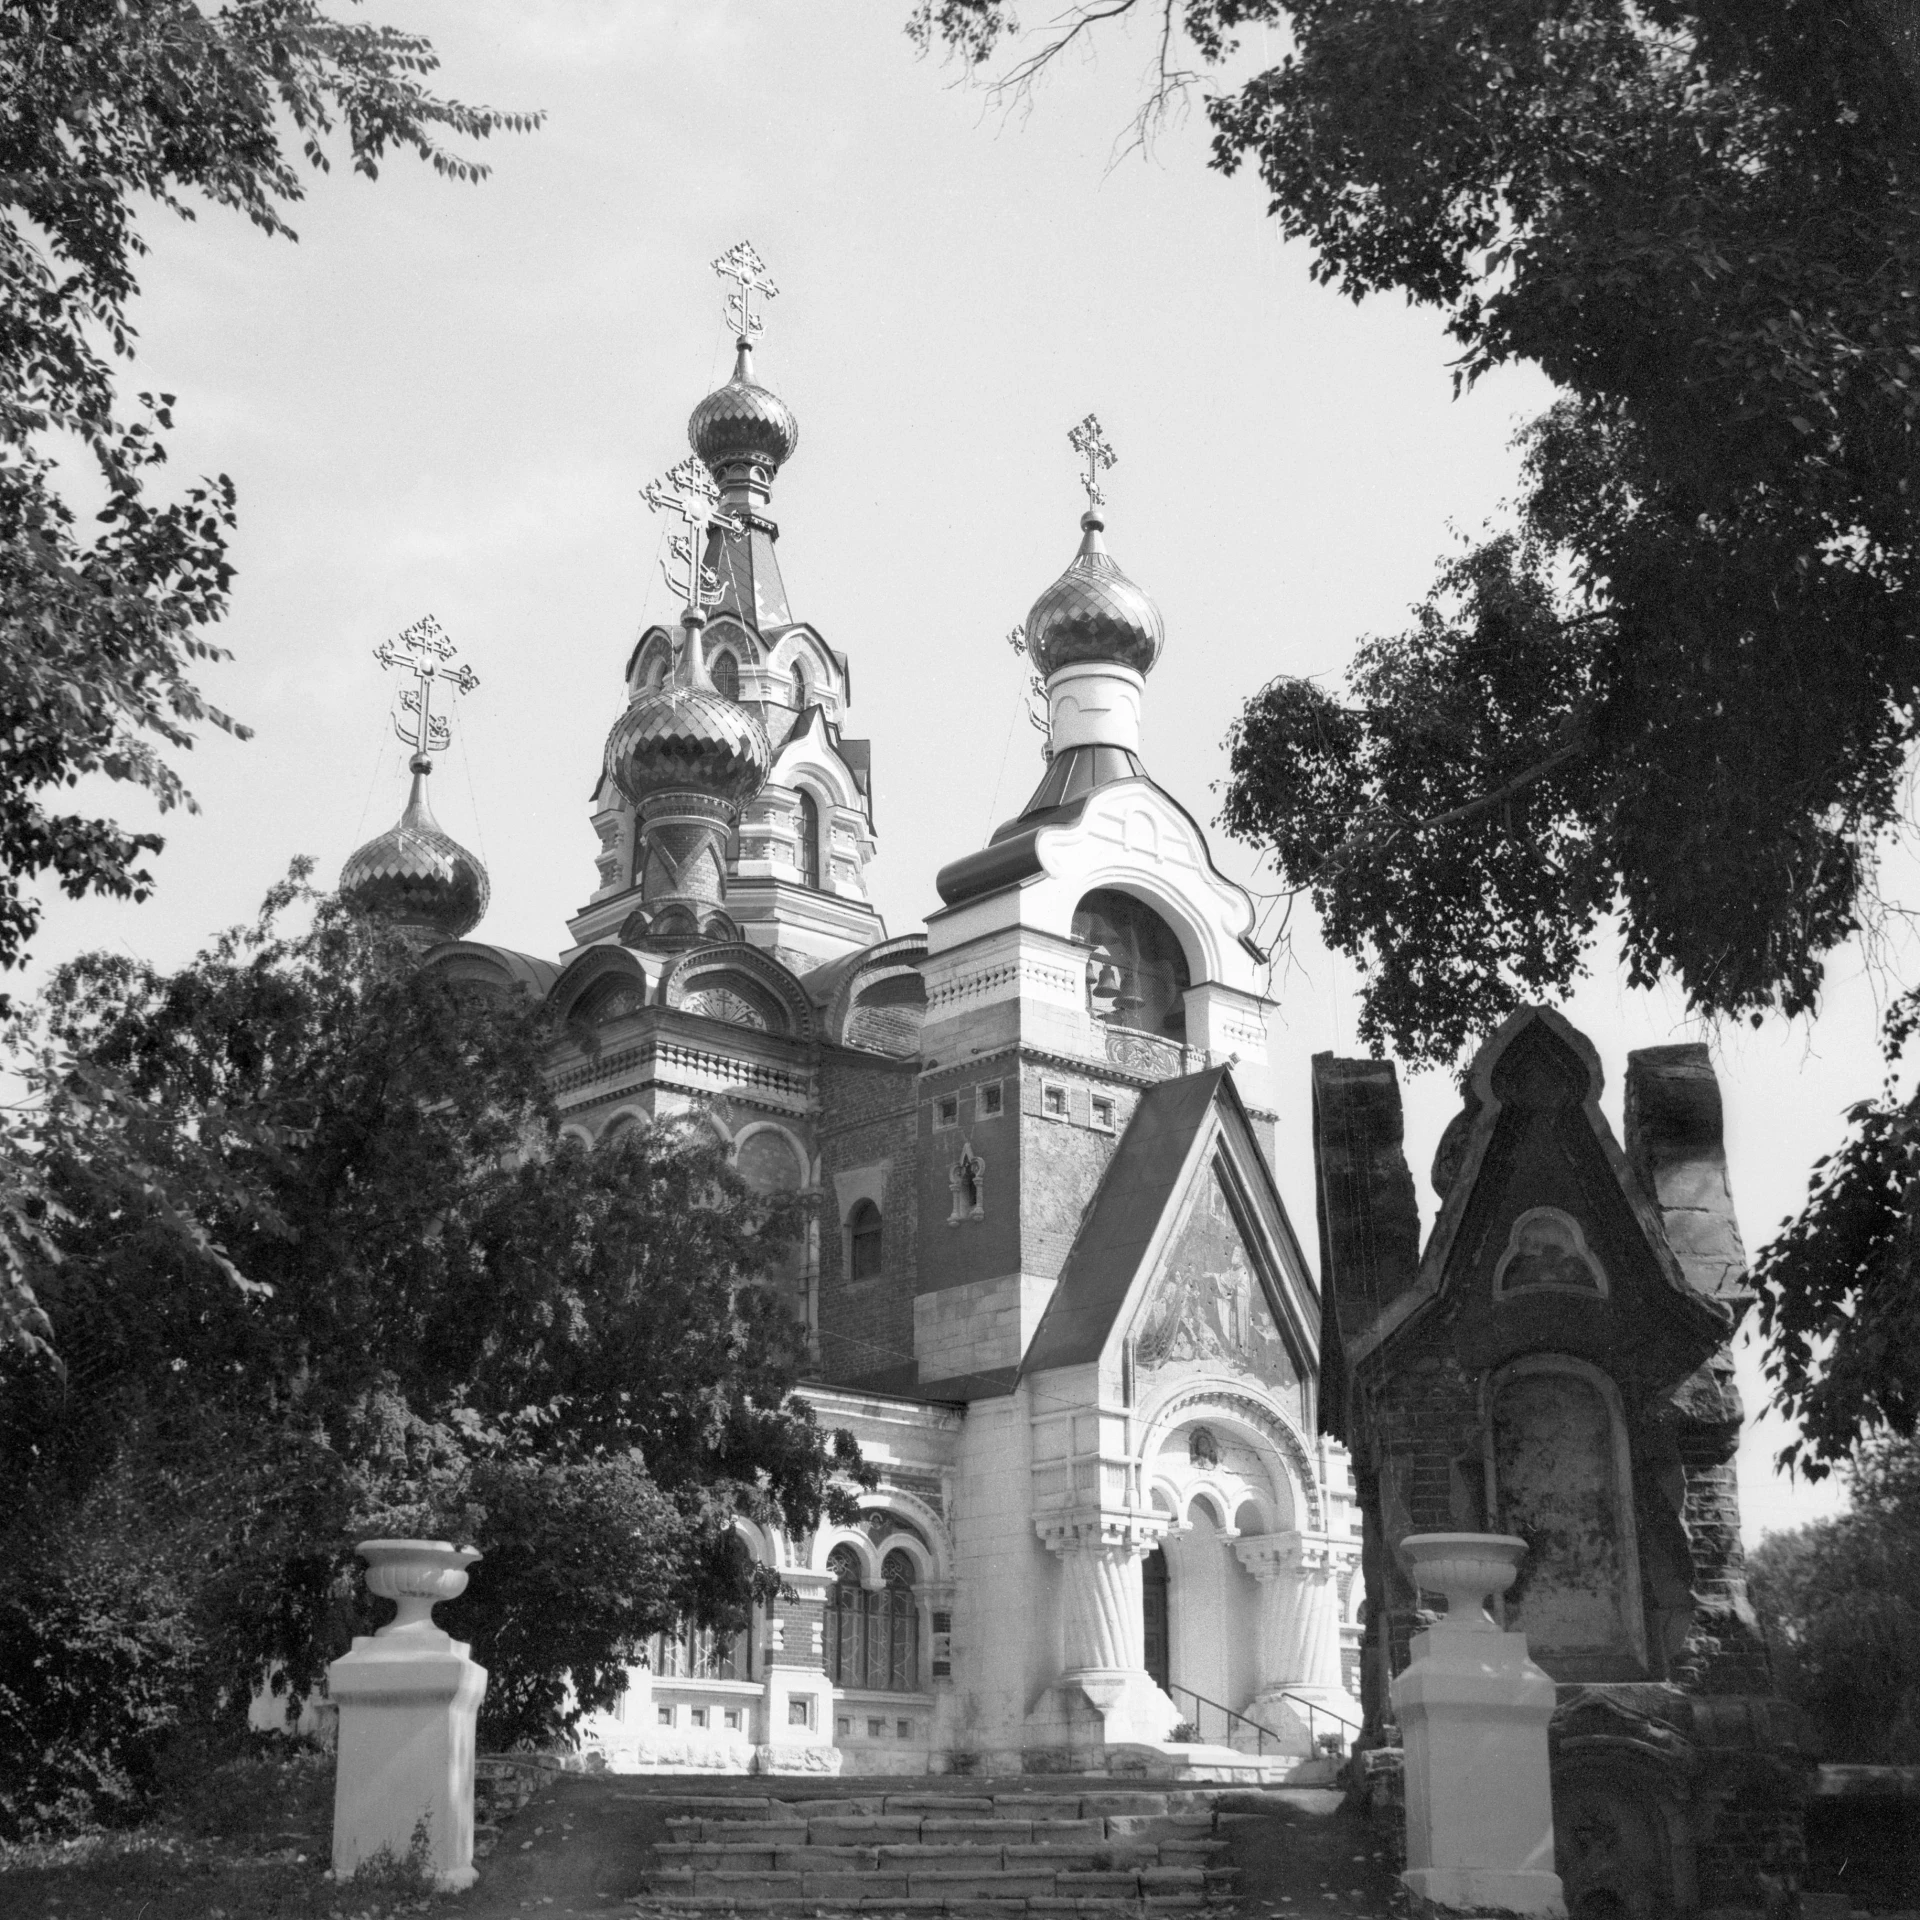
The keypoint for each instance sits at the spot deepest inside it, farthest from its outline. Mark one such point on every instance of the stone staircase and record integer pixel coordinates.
(1000, 1852)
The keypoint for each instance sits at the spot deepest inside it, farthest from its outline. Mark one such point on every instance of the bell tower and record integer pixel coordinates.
(796, 846)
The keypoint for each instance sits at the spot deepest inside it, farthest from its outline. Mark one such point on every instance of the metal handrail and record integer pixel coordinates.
(1262, 1734)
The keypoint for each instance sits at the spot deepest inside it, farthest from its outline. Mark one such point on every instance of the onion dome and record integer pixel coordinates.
(743, 421)
(421, 881)
(1093, 612)
(685, 738)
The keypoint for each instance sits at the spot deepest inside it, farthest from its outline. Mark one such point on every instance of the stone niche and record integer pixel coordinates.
(1554, 1363)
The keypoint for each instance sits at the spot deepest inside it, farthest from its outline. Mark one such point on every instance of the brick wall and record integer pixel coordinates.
(868, 1120)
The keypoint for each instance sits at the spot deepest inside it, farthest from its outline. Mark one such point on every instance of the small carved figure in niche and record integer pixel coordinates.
(1547, 1249)
(967, 1181)
(1203, 1450)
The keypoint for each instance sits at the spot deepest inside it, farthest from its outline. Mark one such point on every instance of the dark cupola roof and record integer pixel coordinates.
(419, 880)
(684, 737)
(743, 421)
(1093, 612)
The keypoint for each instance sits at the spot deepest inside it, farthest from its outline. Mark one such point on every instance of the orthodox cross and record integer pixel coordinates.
(1091, 445)
(687, 491)
(426, 653)
(748, 272)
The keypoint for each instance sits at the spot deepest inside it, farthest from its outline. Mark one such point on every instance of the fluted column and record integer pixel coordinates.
(1104, 1637)
(1299, 1652)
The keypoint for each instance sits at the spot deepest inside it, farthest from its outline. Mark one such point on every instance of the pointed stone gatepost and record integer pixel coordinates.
(1473, 1713)
(408, 1697)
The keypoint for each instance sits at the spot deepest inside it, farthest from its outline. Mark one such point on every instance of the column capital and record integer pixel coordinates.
(1126, 1529)
(1268, 1555)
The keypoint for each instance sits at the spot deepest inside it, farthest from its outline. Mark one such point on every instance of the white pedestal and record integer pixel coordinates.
(408, 1701)
(1473, 1712)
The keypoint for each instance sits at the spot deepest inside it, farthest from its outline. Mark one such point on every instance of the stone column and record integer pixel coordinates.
(408, 1697)
(1473, 1712)
(1104, 1640)
(799, 1696)
(1299, 1576)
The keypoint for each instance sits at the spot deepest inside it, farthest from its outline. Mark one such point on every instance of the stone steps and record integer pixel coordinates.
(1002, 1854)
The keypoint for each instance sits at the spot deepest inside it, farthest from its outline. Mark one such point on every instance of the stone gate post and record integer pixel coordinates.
(408, 1696)
(1473, 1713)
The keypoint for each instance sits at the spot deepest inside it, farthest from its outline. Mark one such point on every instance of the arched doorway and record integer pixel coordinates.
(1153, 1615)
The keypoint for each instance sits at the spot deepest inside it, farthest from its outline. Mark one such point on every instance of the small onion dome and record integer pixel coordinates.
(421, 881)
(682, 739)
(743, 421)
(1094, 612)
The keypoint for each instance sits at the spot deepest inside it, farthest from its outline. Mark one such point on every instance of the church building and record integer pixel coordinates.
(1052, 1288)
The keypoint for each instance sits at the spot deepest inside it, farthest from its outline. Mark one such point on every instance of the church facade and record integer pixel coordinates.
(1051, 1287)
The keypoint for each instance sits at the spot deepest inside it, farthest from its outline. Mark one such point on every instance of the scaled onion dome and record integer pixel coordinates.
(421, 881)
(743, 421)
(1093, 612)
(684, 737)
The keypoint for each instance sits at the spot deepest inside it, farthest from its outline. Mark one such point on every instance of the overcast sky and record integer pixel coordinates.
(446, 398)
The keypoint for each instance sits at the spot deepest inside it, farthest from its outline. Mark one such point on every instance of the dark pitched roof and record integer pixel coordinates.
(1126, 1212)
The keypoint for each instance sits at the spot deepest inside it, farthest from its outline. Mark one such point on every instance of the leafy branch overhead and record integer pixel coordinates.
(108, 106)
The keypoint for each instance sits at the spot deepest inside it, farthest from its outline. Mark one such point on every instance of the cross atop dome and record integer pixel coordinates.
(748, 272)
(424, 652)
(688, 492)
(416, 878)
(1089, 441)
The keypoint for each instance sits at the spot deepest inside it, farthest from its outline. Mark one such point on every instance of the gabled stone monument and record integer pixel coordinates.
(1555, 1365)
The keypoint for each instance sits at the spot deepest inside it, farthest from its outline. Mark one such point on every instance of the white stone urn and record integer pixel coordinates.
(416, 1575)
(1467, 1568)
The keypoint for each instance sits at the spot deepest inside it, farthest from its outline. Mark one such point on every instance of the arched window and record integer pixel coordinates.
(873, 1639)
(799, 688)
(810, 840)
(1137, 973)
(863, 1232)
(725, 671)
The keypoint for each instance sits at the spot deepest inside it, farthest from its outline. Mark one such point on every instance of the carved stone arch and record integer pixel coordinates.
(910, 1507)
(655, 644)
(806, 763)
(1237, 1406)
(594, 983)
(755, 978)
(573, 1130)
(492, 969)
(881, 1002)
(761, 1541)
(801, 643)
(1218, 1499)
(1198, 941)
(828, 1538)
(786, 1135)
(733, 635)
(622, 1119)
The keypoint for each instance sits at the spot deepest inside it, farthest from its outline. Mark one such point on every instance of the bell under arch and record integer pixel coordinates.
(1137, 971)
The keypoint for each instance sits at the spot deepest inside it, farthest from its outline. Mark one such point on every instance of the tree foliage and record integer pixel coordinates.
(1678, 698)
(1839, 1602)
(108, 107)
(320, 1267)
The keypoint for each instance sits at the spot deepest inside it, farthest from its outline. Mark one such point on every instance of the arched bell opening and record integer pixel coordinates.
(1137, 972)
